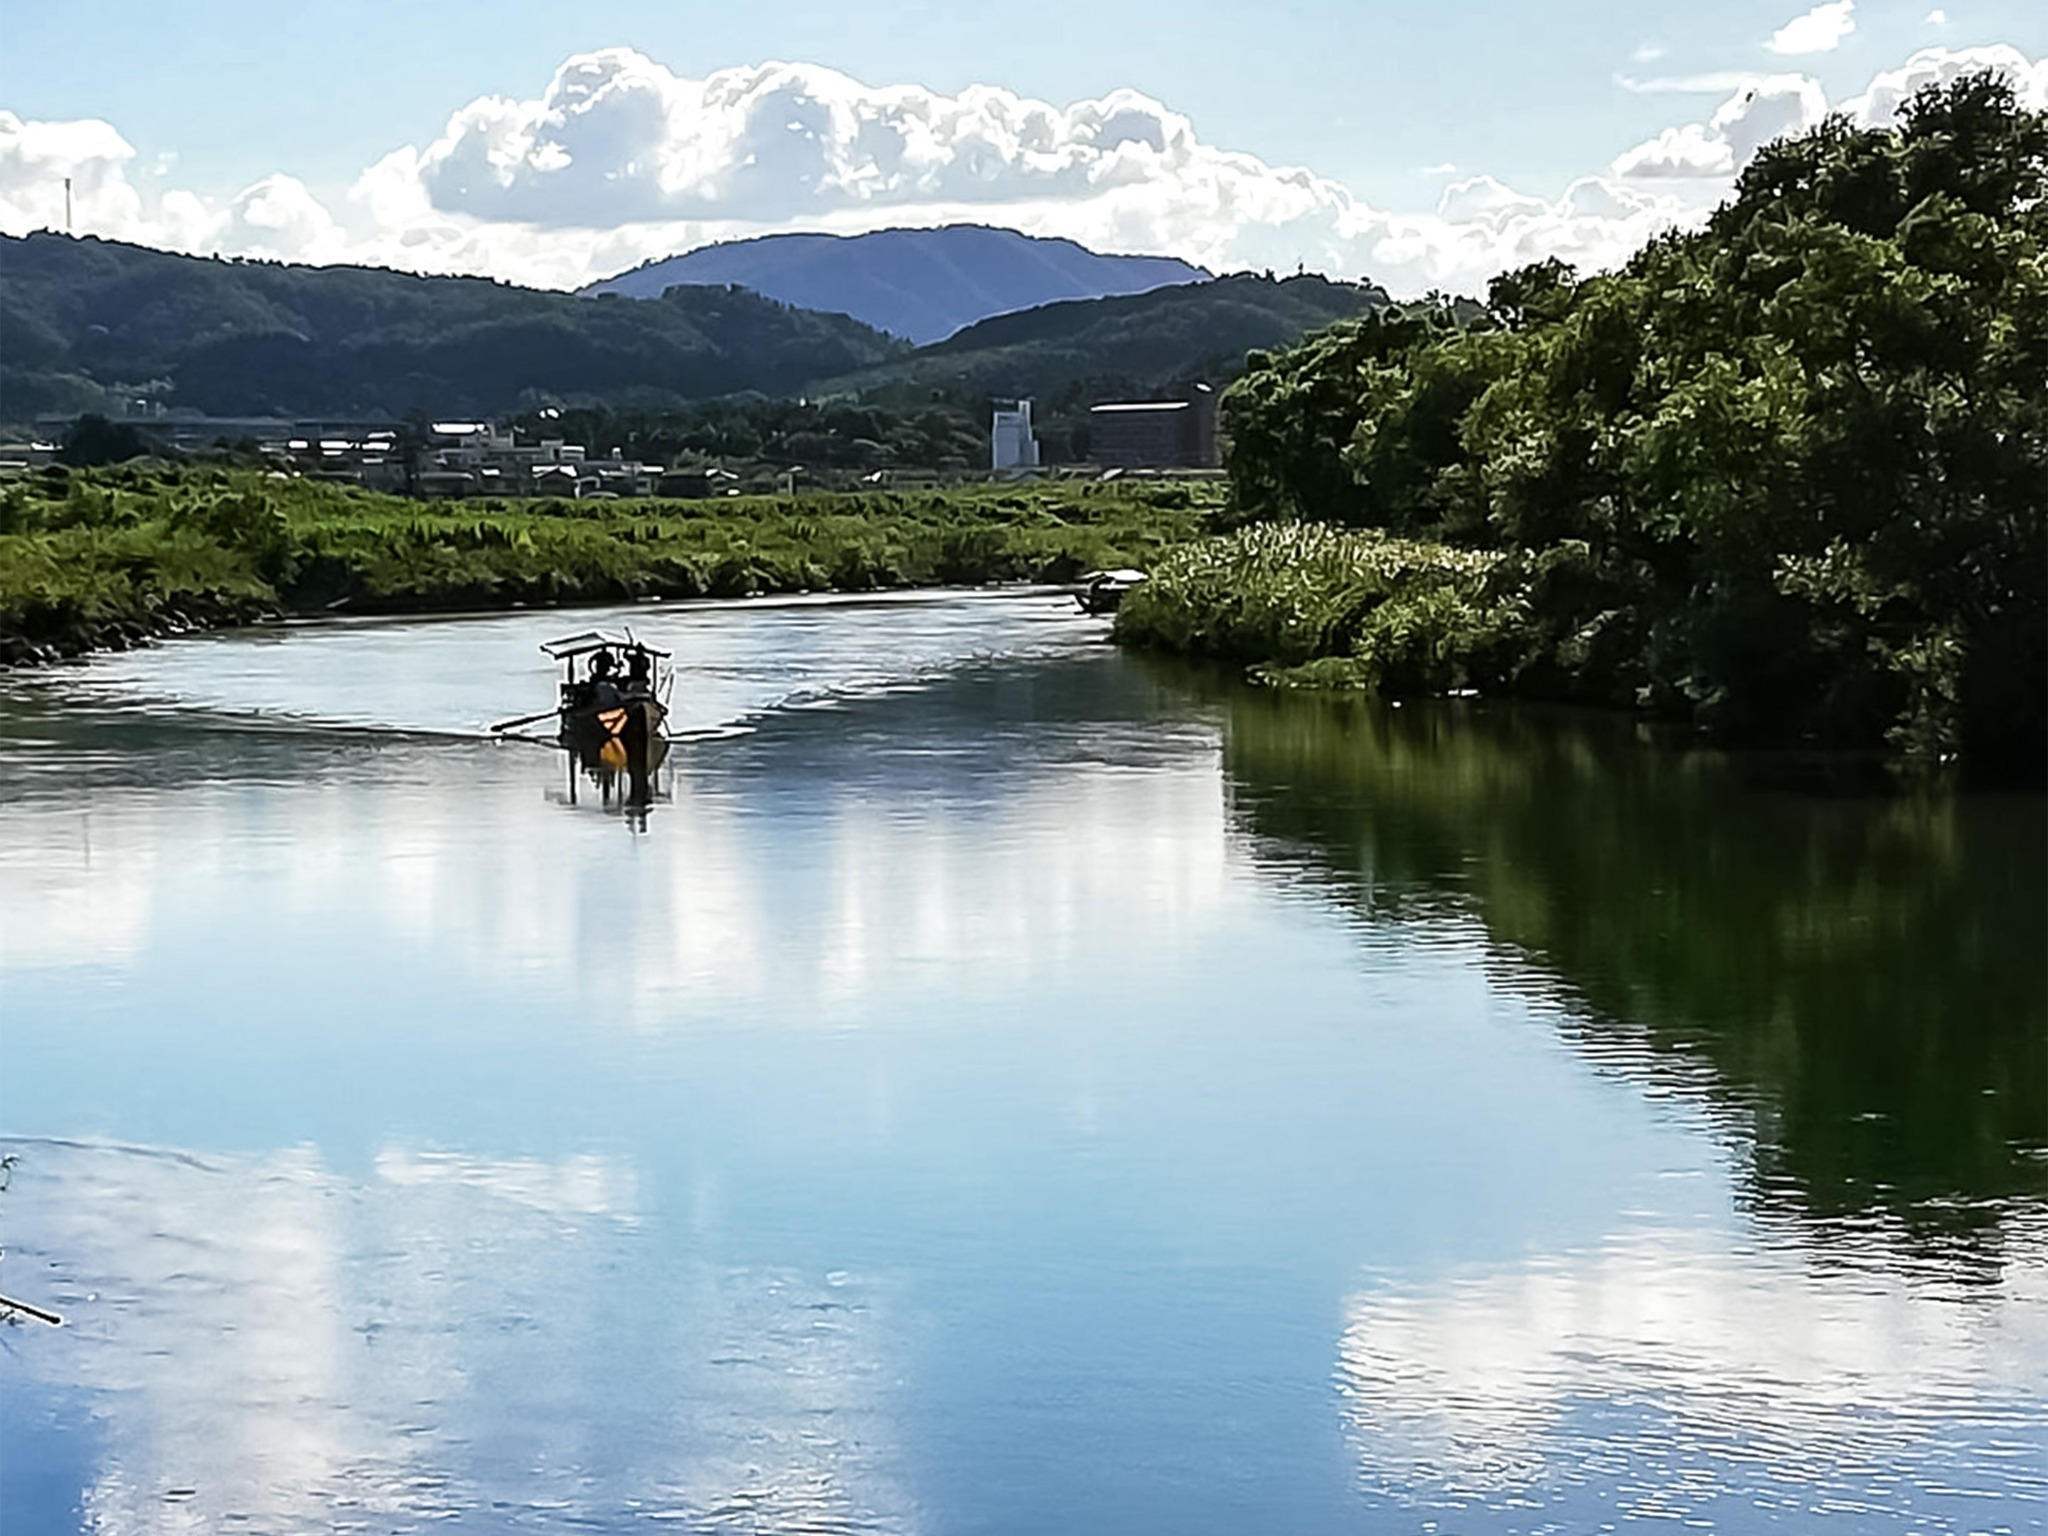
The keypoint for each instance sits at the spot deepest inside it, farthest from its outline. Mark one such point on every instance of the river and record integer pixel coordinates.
(998, 1085)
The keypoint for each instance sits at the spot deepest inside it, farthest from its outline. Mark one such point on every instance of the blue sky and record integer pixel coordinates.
(211, 99)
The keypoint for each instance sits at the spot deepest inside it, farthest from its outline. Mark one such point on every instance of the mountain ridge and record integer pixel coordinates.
(95, 326)
(920, 284)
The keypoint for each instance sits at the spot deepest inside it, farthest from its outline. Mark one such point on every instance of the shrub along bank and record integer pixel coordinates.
(1317, 606)
(110, 557)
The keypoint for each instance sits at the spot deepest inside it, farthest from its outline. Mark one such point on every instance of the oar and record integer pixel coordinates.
(9, 1304)
(581, 712)
(546, 714)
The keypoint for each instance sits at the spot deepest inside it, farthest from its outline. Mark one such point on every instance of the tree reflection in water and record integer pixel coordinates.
(1855, 973)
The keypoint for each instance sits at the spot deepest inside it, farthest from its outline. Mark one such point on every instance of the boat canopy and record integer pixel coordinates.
(572, 646)
(1125, 576)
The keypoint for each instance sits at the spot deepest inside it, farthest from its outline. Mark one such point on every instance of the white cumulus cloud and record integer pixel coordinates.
(1759, 111)
(277, 217)
(280, 218)
(618, 160)
(618, 152)
(37, 158)
(1820, 30)
(1767, 107)
(1878, 106)
(618, 138)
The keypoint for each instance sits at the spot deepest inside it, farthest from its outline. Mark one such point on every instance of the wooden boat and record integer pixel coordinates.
(613, 694)
(1102, 591)
(610, 711)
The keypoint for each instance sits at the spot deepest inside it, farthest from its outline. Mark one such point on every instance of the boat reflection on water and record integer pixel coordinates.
(625, 773)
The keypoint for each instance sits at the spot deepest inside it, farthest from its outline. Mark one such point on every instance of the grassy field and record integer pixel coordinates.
(108, 557)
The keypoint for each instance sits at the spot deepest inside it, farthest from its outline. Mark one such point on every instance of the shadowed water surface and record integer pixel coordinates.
(1002, 1087)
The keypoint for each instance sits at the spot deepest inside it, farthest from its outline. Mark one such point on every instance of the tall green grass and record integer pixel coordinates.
(1312, 605)
(88, 556)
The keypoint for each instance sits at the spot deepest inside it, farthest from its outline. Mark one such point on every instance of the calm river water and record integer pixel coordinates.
(1005, 1086)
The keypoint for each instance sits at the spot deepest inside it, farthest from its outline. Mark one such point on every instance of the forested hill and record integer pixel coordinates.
(1067, 355)
(89, 325)
(93, 325)
(921, 284)
(928, 409)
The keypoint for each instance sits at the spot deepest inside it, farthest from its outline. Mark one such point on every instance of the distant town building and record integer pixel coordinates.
(1155, 434)
(696, 483)
(1010, 443)
(442, 458)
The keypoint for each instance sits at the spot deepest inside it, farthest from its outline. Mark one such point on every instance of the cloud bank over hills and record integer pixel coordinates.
(620, 160)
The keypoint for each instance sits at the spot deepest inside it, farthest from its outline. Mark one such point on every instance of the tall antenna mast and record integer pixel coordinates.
(67, 205)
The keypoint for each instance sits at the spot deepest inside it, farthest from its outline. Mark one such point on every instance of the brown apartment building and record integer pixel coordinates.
(1155, 434)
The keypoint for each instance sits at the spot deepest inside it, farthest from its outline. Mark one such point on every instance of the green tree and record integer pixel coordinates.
(94, 440)
(1785, 474)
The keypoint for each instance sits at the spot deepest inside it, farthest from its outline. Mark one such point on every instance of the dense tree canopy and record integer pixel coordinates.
(96, 440)
(1786, 473)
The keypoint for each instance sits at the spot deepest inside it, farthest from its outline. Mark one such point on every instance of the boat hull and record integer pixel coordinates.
(630, 722)
(1103, 591)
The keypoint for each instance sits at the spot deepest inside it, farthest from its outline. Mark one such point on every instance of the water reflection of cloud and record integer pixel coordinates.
(725, 904)
(1017, 895)
(1673, 1371)
(797, 1436)
(205, 1300)
(580, 1185)
(75, 888)
(724, 901)
(272, 1345)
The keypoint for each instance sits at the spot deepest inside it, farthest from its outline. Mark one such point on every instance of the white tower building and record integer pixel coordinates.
(1010, 443)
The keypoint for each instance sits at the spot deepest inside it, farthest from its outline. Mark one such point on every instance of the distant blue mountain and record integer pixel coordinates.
(920, 284)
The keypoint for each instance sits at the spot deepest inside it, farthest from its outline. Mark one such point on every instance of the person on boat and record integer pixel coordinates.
(639, 671)
(604, 689)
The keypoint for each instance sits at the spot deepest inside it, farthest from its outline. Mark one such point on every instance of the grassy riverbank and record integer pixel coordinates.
(109, 557)
(1305, 605)
(1309, 605)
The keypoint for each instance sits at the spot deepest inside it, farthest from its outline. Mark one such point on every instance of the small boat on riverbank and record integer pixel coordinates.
(1103, 591)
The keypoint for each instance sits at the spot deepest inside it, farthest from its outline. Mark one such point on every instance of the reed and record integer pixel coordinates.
(107, 557)
(1306, 604)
